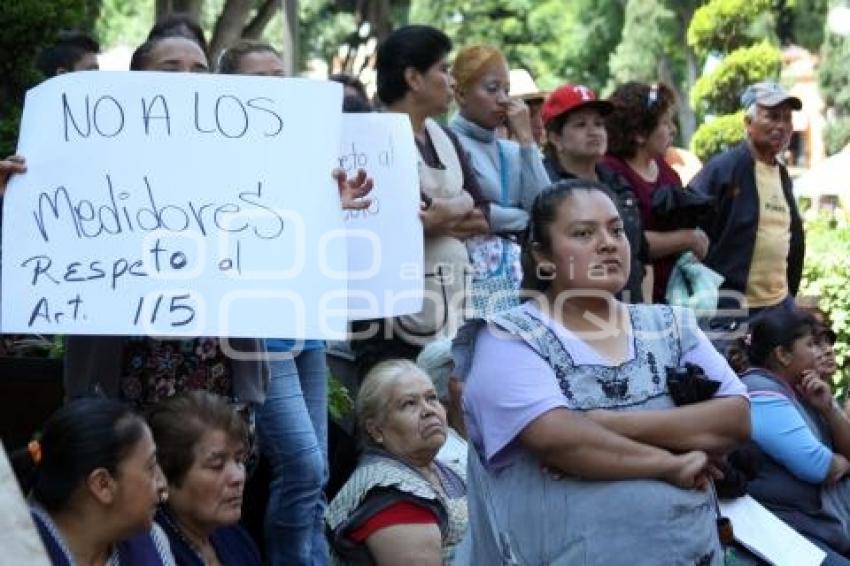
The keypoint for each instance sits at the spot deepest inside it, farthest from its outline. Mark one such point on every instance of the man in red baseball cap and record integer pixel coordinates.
(576, 141)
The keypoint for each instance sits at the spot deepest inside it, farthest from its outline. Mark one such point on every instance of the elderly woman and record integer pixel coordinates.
(576, 142)
(95, 486)
(201, 443)
(510, 173)
(436, 361)
(640, 130)
(581, 454)
(413, 79)
(401, 505)
(801, 437)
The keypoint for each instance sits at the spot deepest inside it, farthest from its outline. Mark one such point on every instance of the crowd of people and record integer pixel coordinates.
(551, 408)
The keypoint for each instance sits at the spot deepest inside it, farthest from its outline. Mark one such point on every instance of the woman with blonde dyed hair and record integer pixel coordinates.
(510, 173)
(401, 505)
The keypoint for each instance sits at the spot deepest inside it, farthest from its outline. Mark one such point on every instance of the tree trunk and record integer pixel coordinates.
(265, 13)
(687, 116)
(229, 25)
(290, 37)
(379, 16)
(191, 7)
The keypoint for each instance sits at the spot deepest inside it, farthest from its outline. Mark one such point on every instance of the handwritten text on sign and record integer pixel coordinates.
(384, 240)
(176, 205)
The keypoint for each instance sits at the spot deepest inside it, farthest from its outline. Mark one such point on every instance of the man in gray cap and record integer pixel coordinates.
(757, 235)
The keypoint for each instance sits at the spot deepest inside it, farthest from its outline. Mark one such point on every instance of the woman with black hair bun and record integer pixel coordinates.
(95, 487)
(414, 79)
(800, 436)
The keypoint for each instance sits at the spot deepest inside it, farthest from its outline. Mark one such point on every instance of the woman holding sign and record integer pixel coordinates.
(293, 423)
(414, 79)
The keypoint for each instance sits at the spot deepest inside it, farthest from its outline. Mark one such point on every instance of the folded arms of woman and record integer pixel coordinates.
(572, 443)
(714, 426)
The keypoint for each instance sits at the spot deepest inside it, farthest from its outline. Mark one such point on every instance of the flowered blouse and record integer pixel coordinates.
(153, 370)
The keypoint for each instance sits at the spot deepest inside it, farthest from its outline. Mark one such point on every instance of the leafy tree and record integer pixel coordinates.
(825, 275)
(124, 22)
(727, 29)
(718, 91)
(325, 28)
(25, 28)
(556, 41)
(721, 26)
(834, 81)
(649, 28)
(594, 29)
(801, 22)
(652, 48)
(718, 135)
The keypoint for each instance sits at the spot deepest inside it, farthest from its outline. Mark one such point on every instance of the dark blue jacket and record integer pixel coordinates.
(232, 545)
(730, 179)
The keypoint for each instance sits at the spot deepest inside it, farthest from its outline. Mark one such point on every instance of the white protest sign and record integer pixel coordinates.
(385, 240)
(176, 205)
(769, 536)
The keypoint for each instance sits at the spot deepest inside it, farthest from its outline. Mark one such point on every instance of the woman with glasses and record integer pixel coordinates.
(640, 129)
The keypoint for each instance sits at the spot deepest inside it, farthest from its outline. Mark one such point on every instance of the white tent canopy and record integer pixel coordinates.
(831, 177)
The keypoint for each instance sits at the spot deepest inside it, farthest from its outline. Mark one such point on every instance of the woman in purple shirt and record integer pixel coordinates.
(580, 454)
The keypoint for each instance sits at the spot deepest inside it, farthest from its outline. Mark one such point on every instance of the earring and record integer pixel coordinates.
(545, 270)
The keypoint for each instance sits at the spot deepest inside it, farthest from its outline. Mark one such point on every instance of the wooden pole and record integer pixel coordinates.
(290, 37)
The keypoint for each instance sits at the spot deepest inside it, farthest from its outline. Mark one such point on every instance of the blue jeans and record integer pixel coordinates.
(293, 433)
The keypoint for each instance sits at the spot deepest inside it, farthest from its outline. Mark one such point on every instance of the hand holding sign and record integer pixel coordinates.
(352, 192)
(8, 167)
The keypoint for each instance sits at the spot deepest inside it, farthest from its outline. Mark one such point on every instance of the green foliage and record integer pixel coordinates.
(718, 135)
(724, 25)
(825, 275)
(594, 29)
(837, 135)
(556, 41)
(26, 28)
(807, 18)
(124, 22)
(340, 404)
(834, 73)
(323, 28)
(646, 35)
(718, 92)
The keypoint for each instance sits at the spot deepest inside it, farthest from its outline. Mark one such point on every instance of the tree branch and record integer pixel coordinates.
(229, 26)
(264, 15)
